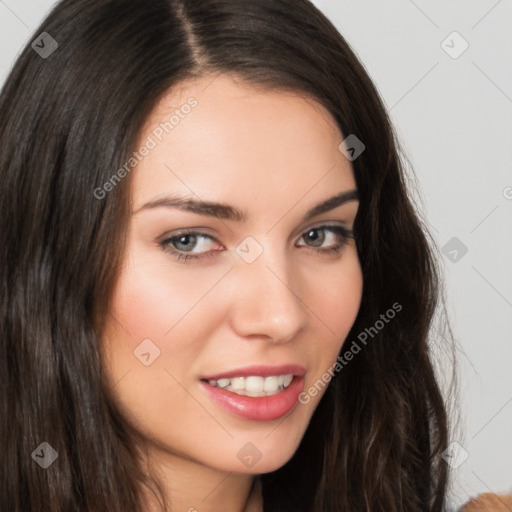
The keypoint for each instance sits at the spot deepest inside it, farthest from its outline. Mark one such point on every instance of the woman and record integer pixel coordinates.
(216, 293)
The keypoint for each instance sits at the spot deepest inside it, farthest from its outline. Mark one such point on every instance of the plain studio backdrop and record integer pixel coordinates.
(444, 72)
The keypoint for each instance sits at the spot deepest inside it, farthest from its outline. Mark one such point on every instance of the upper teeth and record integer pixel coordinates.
(254, 385)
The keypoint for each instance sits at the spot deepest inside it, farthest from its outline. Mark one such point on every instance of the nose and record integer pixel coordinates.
(264, 302)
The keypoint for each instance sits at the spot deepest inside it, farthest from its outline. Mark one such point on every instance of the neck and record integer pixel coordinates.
(193, 487)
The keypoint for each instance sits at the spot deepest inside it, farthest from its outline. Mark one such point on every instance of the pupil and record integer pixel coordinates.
(183, 240)
(318, 239)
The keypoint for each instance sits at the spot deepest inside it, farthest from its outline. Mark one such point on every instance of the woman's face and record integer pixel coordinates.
(267, 297)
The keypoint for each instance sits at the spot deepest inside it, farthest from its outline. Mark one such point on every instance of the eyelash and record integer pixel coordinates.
(343, 234)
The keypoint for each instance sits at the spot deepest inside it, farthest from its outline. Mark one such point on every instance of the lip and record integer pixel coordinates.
(259, 370)
(264, 408)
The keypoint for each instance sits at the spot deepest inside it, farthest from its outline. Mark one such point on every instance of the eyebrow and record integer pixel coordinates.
(228, 212)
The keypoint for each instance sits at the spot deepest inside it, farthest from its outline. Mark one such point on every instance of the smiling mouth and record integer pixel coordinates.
(253, 385)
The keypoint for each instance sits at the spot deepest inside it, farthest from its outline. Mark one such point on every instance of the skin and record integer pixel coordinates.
(275, 155)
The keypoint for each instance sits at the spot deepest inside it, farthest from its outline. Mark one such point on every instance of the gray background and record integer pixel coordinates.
(452, 114)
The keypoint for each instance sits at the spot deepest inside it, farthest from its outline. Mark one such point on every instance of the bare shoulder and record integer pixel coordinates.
(489, 502)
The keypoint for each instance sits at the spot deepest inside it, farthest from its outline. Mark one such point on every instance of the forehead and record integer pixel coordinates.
(223, 139)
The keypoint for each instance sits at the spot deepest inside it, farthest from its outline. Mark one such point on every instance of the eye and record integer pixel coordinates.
(182, 245)
(193, 245)
(335, 236)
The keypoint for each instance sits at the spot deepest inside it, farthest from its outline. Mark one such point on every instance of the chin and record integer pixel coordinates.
(266, 452)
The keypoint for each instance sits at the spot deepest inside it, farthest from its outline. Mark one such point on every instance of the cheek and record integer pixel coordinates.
(158, 307)
(334, 299)
(153, 296)
(338, 295)
(169, 313)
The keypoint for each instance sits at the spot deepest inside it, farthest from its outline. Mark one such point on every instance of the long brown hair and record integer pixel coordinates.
(68, 120)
